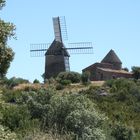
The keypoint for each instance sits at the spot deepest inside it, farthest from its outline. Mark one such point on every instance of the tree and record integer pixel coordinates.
(2, 3)
(136, 72)
(6, 54)
(125, 69)
(85, 77)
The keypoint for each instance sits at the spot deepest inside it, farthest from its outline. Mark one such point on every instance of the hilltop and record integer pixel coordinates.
(65, 111)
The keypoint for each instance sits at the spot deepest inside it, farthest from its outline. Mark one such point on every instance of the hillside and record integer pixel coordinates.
(68, 111)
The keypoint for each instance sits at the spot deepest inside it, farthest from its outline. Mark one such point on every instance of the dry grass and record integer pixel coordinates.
(97, 83)
(79, 87)
(47, 136)
(70, 88)
(28, 86)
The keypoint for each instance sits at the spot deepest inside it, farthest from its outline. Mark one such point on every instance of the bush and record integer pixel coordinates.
(119, 84)
(69, 77)
(59, 86)
(6, 134)
(14, 81)
(85, 124)
(11, 96)
(121, 132)
(136, 72)
(38, 103)
(76, 114)
(15, 117)
(36, 81)
(85, 77)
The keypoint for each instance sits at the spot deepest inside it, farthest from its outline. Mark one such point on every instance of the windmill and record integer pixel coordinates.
(56, 54)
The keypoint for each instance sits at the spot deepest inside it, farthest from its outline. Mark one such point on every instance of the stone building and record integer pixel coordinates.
(109, 68)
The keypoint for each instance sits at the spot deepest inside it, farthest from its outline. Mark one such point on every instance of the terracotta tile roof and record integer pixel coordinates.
(115, 71)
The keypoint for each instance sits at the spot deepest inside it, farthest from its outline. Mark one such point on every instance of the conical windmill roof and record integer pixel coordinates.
(111, 57)
(57, 48)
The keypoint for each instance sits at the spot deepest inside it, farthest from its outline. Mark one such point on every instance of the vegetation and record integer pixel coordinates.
(85, 77)
(66, 78)
(121, 105)
(136, 72)
(24, 111)
(6, 53)
(12, 82)
(6, 134)
(88, 114)
(36, 81)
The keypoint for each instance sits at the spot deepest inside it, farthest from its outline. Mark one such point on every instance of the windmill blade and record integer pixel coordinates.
(63, 28)
(38, 50)
(57, 29)
(80, 48)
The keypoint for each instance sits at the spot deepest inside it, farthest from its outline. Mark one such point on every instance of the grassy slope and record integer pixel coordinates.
(118, 110)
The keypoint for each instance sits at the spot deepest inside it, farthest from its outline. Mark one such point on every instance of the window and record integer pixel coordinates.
(66, 60)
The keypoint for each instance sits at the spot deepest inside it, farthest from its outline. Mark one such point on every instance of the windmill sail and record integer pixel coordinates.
(80, 48)
(63, 28)
(57, 29)
(56, 54)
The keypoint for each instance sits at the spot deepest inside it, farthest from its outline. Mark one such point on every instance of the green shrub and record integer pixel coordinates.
(121, 132)
(38, 103)
(36, 81)
(72, 77)
(59, 86)
(85, 124)
(76, 114)
(119, 84)
(14, 81)
(6, 134)
(109, 82)
(121, 105)
(15, 117)
(65, 82)
(85, 77)
(51, 81)
(11, 96)
(136, 72)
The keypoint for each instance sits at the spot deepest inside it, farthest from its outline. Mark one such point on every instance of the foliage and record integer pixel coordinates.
(38, 103)
(85, 124)
(120, 84)
(15, 117)
(2, 3)
(76, 114)
(12, 82)
(68, 77)
(59, 86)
(6, 134)
(121, 132)
(38, 135)
(6, 53)
(85, 77)
(47, 113)
(65, 113)
(121, 104)
(136, 72)
(125, 69)
(36, 81)
(11, 96)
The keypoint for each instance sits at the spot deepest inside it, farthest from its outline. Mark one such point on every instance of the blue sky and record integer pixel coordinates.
(108, 24)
